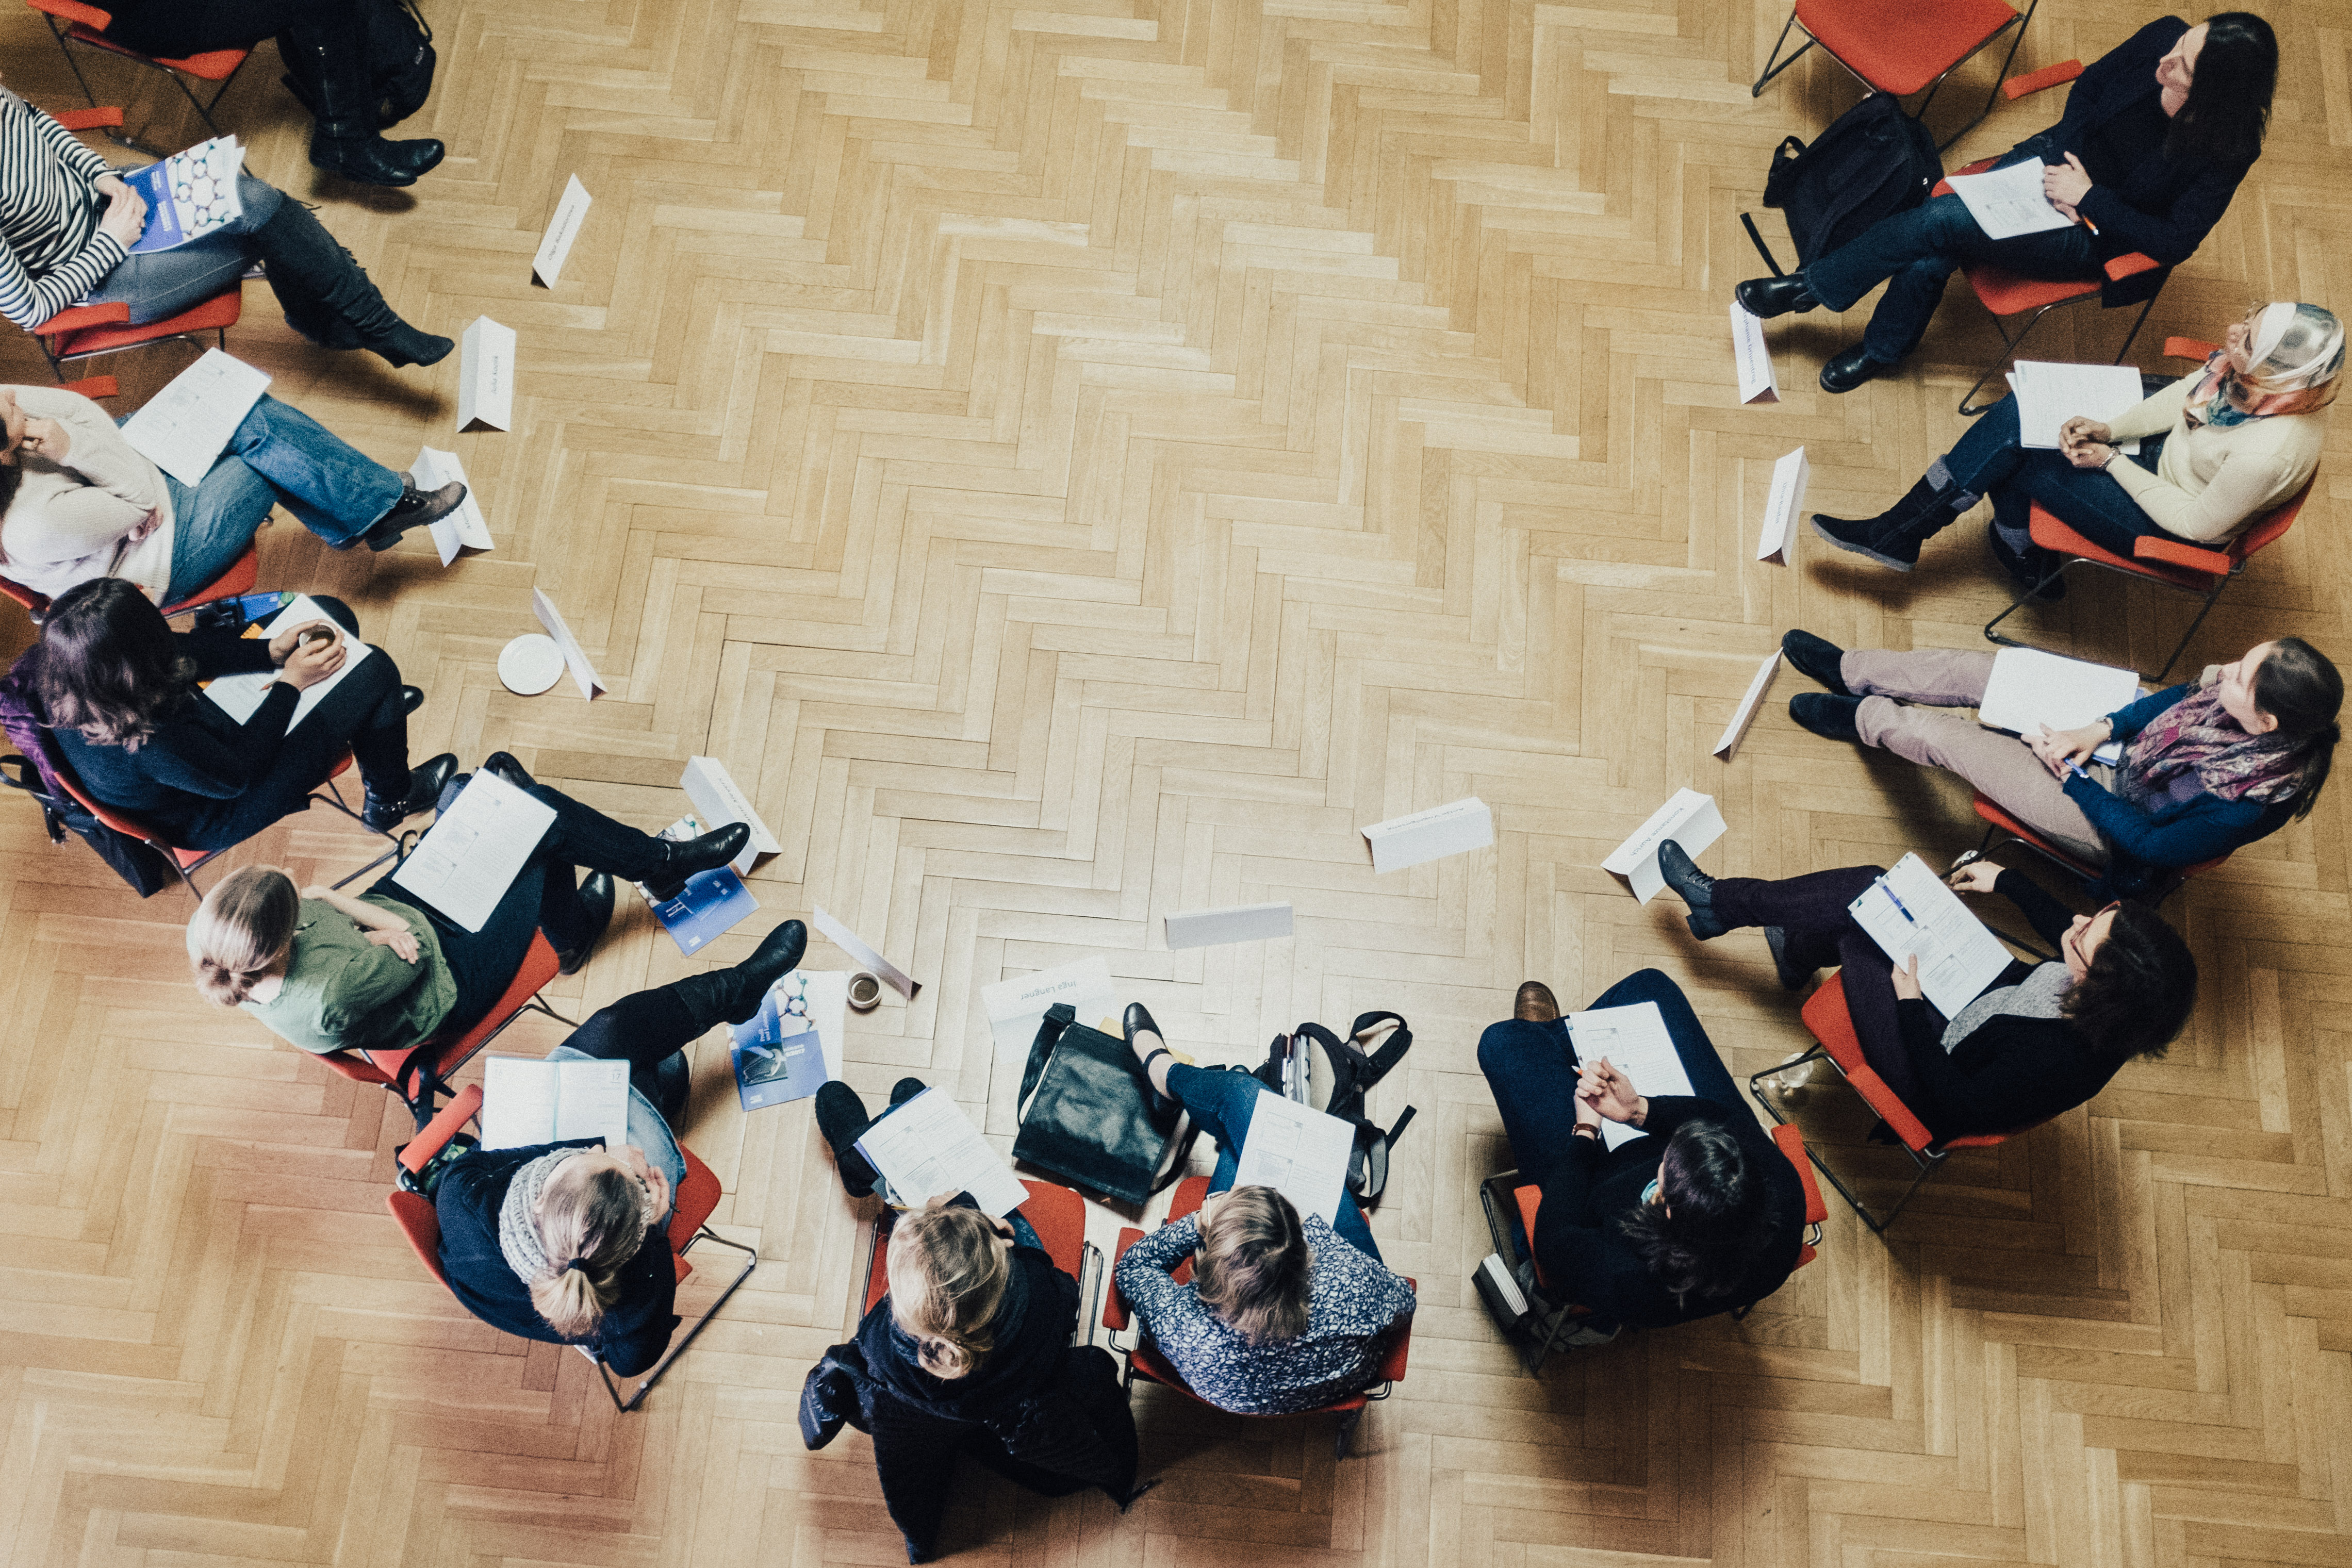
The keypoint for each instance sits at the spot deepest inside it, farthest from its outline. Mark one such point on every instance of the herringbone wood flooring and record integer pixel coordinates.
(1075, 464)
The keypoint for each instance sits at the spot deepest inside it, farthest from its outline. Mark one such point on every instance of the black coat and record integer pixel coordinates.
(197, 759)
(1037, 1410)
(635, 1331)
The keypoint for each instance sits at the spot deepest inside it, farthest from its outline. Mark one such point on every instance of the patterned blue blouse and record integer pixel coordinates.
(1352, 1304)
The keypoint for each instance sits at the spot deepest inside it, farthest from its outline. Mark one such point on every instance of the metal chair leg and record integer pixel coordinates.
(2182, 646)
(1877, 1224)
(2008, 352)
(1999, 78)
(1770, 69)
(750, 1261)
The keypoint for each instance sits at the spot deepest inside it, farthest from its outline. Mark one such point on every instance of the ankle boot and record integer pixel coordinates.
(733, 995)
(323, 284)
(343, 136)
(416, 510)
(675, 861)
(596, 900)
(1893, 538)
(1694, 887)
(841, 1120)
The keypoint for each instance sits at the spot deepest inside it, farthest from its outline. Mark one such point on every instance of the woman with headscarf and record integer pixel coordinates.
(2218, 448)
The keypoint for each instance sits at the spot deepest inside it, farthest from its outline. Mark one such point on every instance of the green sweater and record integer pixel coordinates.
(344, 992)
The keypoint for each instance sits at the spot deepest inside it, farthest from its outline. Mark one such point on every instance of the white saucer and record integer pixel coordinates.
(530, 663)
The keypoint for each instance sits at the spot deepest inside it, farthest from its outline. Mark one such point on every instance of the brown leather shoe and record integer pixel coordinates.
(1536, 1003)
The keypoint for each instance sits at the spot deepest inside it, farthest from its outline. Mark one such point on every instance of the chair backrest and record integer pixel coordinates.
(1831, 1023)
(418, 1220)
(1058, 1215)
(2266, 530)
(36, 605)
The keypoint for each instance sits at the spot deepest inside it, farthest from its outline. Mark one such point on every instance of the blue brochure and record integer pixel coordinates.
(770, 1071)
(713, 902)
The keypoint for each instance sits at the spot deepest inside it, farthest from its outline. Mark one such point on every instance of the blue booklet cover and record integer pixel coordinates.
(770, 1071)
(713, 902)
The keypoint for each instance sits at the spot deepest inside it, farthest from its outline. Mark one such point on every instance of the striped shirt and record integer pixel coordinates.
(53, 253)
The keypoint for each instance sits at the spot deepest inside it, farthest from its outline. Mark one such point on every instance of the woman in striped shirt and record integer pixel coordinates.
(67, 225)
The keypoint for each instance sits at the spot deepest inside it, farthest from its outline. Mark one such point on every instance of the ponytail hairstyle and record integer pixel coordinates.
(2230, 92)
(1701, 1248)
(591, 1219)
(108, 664)
(948, 1274)
(2298, 687)
(1254, 1263)
(242, 932)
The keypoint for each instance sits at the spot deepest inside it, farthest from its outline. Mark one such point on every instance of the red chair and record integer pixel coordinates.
(1144, 1359)
(1831, 1024)
(695, 1200)
(1058, 1215)
(425, 1069)
(1900, 49)
(1999, 821)
(72, 23)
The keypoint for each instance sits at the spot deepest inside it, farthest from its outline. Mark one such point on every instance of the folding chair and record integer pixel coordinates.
(696, 1200)
(422, 1070)
(1900, 49)
(1831, 1025)
(1144, 1359)
(1058, 1215)
(73, 24)
(1999, 821)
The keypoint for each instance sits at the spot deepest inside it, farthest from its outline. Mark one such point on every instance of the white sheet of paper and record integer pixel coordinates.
(1634, 1042)
(1910, 911)
(469, 858)
(1452, 828)
(849, 942)
(1689, 818)
(528, 1100)
(929, 1146)
(719, 801)
(576, 659)
(1728, 742)
(1240, 922)
(1756, 381)
(2008, 202)
(183, 428)
(561, 230)
(463, 528)
(1016, 1007)
(238, 696)
(1301, 1154)
(2030, 688)
(485, 376)
(2050, 393)
(1781, 506)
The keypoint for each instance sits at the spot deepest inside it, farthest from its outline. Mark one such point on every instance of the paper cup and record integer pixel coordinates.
(864, 992)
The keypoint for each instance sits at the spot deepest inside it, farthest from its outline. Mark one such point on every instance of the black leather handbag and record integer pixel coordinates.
(1087, 1114)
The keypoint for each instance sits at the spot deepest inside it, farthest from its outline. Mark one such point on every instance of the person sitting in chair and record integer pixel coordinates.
(2038, 1041)
(1702, 1216)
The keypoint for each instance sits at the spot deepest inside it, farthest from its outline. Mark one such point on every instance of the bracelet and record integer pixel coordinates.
(1585, 1128)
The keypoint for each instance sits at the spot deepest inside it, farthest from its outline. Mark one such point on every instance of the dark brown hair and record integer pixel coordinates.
(2301, 688)
(2135, 998)
(2230, 92)
(1705, 1246)
(108, 665)
(1254, 1265)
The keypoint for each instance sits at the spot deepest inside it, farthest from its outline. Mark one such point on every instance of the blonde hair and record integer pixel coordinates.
(1254, 1265)
(598, 1220)
(948, 1276)
(242, 932)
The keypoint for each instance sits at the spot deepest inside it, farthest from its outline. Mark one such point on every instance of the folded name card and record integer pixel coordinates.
(1441, 831)
(1757, 383)
(1781, 506)
(561, 230)
(485, 376)
(1241, 923)
(1756, 688)
(576, 659)
(1690, 818)
(463, 528)
(719, 801)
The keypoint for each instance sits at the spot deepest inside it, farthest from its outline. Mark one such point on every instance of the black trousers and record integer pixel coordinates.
(181, 27)
(650, 1029)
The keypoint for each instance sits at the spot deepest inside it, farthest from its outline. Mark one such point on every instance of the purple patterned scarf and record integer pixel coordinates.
(2195, 732)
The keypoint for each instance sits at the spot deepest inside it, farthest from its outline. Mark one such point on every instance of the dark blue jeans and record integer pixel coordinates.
(1222, 1102)
(1915, 253)
(1988, 462)
(1531, 1068)
(279, 455)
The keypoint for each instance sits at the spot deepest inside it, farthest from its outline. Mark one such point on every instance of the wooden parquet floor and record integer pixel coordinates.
(1078, 463)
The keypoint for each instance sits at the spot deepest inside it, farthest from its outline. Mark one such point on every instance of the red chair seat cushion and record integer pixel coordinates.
(1901, 46)
(2005, 293)
(213, 65)
(2052, 534)
(214, 314)
(1827, 1016)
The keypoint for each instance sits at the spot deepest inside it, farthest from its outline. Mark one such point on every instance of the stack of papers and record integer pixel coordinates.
(2050, 393)
(928, 1148)
(1635, 1043)
(1909, 912)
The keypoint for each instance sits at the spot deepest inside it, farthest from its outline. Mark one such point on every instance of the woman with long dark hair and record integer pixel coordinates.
(1702, 1215)
(2156, 135)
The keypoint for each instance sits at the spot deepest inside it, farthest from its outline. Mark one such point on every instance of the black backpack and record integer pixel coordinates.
(1873, 161)
(400, 58)
(1326, 1073)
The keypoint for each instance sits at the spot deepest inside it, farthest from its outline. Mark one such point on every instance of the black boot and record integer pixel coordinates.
(732, 994)
(841, 1118)
(318, 282)
(416, 510)
(595, 917)
(1893, 538)
(676, 862)
(1819, 657)
(1694, 887)
(333, 82)
(425, 783)
(1765, 297)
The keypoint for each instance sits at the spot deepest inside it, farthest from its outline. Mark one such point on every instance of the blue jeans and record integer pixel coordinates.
(1222, 1103)
(1987, 461)
(279, 455)
(1915, 253)
(160, 283)
(1531, 1068)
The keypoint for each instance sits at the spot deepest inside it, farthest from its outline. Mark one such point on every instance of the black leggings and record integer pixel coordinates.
(649, 1028)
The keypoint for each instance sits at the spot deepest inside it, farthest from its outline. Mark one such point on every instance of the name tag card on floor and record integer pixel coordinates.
(485, 376)
(592, 685)
(463, 528)
(846, 939)
(1730, 741)
(1450, 830)
(717, 802)
(1757, 383)
(1242, 923)
(1016, 1007)
(561, 230)
(1781, 506)
(1690, 818)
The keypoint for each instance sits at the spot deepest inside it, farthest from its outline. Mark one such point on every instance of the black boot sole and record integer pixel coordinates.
(1892, 563)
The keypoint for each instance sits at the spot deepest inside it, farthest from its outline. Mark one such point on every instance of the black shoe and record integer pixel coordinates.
(1867, 539)
(778, 955)
(425, 784)
(841, 1120)
(450, 791)
(595, 915)
(1816, 657)
(2029, 568)
(1842, 372)
(1830, 717)
(1138, 1020)
(1765, 297)
(1775, 937)
(676, 862)
(416, 510)
(1694, 887)
(501, 765)
(905, 1089)
(673, 1087)
(402, 345)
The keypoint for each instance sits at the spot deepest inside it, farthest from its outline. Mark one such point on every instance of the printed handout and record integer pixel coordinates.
(469, 858)
(927, 1147)
(1016, 1007)
(1633, 1040)
(2008, 202)
(1299, 1153)
(183, 428)
(239, 695)
(1910, 913)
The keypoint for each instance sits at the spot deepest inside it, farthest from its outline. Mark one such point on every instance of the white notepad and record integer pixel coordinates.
(1633, 1040)
(927, 1147)
(469, 857)
(239, 695)
(2050, 393)
(1909, 911)
(1300, 1152)
(2008, 202)
(2030, 688)
(526, 1101)
(183, 428)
